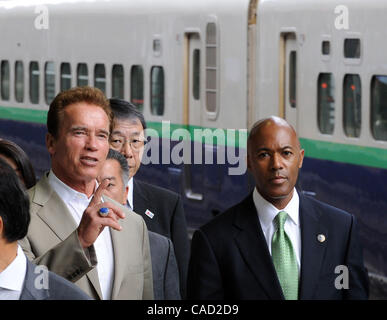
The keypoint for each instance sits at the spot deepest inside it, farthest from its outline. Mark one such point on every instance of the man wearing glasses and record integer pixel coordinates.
(161, 209)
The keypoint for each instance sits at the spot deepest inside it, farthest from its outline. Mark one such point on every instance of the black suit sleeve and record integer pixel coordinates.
(204, 278)
(358, 279)
(179, 237)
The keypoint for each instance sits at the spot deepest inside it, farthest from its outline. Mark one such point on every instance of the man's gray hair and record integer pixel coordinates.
(115, 155)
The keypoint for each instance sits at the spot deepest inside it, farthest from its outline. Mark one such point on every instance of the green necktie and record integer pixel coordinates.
(284, 259)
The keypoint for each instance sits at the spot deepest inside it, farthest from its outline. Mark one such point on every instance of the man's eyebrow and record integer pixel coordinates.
(74, 128)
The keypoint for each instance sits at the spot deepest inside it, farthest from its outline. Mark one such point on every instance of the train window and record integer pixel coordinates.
(65, 76)
(100, 77)
(19, 81)
(211, 67)
(34, 82)
(325, 103)
(352, 105)
(292, 78)
(157, 90)
(82, 75)
(5, 85)
(49, 81)
(118, 81)
(137, 87)
(196, 74)
(379, 107)
(352, 48)
(326, 47)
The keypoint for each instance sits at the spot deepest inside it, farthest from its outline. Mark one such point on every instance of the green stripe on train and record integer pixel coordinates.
(359, 155)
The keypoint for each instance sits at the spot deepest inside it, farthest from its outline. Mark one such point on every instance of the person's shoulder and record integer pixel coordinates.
(153, 189)
(326, 210)
(223, 221)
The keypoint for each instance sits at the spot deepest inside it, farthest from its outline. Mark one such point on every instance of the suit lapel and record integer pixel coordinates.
(56, 215)
(312, 249)
(141, 202)
(120, 245)
(252, 245)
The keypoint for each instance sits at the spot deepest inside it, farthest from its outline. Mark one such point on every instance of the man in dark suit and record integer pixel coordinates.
(164, 267)
(161, 209)
(277, 243)
(19, 278)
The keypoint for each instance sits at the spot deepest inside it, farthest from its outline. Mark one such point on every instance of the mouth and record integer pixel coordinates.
(278, 179)
(89, 161)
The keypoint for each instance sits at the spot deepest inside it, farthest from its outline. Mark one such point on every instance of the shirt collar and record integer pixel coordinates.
(267, 212)
(130, 193)
(12, 277)
(67, 193)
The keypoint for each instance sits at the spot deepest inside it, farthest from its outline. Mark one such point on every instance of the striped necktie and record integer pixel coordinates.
(284, 259)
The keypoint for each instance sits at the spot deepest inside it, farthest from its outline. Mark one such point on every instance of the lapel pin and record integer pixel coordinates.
(149, 213)
(321, 238)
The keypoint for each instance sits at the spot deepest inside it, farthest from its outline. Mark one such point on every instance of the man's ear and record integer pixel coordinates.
(126, 194)
(50, 143)
(1, 227)
(302, 152)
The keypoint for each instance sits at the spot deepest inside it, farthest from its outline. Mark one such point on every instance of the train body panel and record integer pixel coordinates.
(208, 66)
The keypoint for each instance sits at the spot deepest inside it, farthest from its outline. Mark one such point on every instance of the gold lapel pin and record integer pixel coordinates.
(321, 238)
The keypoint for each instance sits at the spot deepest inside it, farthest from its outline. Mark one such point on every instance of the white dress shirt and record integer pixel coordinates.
(77, 203)
(12, 277)
(130, 193)
(266, 214)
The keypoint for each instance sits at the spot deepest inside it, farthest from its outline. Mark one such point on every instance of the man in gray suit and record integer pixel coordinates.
(19, 278)
(164, 266)
(73, 226)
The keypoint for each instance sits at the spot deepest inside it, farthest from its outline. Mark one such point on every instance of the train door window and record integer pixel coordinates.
(100, 77)
(49, 81)
(65, 76)
(196, 74)
(5, 85)
(325, 103)
(19, 81)
(379, 107)
(137, 87)
(352, 105)
(34, 82)
(211, 67)
(352, 48)
(157, 91)
(82, 75)
(292, 78)
(118, 81)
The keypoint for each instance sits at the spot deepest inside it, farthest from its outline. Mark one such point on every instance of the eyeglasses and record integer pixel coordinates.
(118, 142)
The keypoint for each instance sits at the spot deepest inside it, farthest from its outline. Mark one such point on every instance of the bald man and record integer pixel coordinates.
(277, 243)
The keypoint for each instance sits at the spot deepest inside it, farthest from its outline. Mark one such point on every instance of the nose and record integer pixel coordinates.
(91, 142)
(127, 151)
(276, 162)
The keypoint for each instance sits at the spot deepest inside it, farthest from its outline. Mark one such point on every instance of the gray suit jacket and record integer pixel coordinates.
(164, 268)
(52, 240)
(57, 287)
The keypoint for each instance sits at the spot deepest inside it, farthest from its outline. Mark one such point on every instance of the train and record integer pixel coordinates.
(202, 72)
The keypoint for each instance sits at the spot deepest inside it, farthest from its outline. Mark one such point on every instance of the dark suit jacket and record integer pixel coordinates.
(230, 258)
(168, 220)
(164, 268)
(58, 288)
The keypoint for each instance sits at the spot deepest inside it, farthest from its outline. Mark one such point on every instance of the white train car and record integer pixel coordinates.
(218, 65)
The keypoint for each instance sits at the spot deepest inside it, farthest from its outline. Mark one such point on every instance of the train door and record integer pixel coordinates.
(192, 112)
(289, 78)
